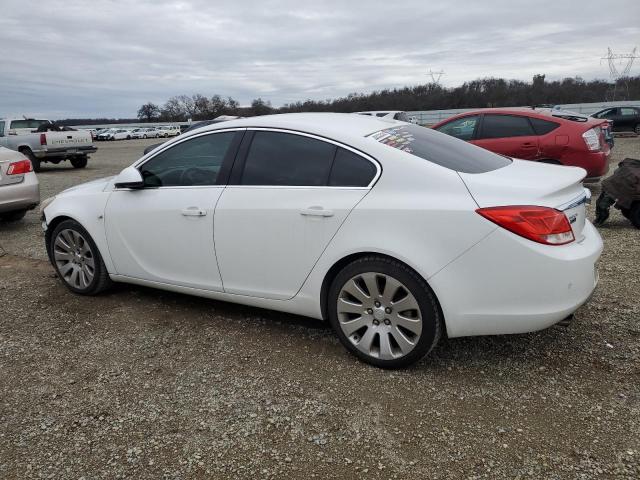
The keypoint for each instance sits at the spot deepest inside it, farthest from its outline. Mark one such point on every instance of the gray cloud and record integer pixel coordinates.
(105, 58)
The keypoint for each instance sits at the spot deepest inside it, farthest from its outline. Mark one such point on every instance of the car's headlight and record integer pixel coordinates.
(45, 203)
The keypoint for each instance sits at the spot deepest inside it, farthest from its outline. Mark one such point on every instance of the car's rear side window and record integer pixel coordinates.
(286, 159)
(1, 129)
(504, 126)
(351, 170)
(441, 149)
(542, 127)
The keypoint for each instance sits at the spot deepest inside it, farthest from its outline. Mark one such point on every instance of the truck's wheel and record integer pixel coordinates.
(79, 162)
(35, 162)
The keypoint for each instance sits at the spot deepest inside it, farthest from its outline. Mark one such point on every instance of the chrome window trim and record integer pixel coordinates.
(361, 154)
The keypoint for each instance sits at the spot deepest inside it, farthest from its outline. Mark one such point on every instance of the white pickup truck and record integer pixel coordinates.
(43, 141)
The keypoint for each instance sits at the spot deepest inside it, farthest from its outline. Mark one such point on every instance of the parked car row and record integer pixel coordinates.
(163, 131)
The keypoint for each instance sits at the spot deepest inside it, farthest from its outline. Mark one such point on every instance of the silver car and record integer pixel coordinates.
(19, 188)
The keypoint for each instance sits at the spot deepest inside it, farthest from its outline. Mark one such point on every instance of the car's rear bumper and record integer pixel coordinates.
(595, 163)
(20, 196)
(508, 284)
(65, 151)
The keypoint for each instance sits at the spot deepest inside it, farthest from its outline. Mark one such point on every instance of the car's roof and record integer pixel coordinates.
(542, 113)
(333, 125)
(378, 111)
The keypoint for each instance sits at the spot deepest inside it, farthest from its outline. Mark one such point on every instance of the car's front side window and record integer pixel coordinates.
(287, 159)
(608, 113)
(1, 129)
(462, 128)
(193, 162)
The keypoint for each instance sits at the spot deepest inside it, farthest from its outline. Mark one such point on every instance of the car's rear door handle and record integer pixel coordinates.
(194, 212)
(529, 145)
(316, 211)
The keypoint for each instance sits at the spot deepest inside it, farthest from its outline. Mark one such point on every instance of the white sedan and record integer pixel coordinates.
(145, 133)
(392, 232)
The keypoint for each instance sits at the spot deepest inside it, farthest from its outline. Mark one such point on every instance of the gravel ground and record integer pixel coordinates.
(140, 383)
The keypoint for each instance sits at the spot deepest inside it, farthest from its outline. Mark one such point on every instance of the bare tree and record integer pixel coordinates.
(148, 112)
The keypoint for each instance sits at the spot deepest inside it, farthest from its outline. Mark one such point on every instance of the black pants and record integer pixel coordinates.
(604, 203)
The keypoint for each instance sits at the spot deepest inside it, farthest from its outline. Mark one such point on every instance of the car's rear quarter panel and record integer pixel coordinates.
(418, 212)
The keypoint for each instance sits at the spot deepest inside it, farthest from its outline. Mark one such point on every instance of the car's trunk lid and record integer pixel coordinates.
(531, 183)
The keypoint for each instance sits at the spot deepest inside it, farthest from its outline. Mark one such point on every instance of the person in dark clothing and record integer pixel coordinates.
(622, 189)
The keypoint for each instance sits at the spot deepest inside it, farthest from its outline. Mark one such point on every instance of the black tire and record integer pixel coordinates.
(79, 162)
(429, 309)
(13, 216)
(637, 129)
(35, 162)
(128, 137)
(100, 281)
(634, 214)
(144, 136)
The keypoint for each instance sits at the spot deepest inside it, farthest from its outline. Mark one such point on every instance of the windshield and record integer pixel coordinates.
(440, 149)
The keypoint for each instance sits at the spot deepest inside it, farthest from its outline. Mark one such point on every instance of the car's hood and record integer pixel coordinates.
(93, 186)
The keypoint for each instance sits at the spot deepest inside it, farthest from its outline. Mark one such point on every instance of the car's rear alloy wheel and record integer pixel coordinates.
(384, 312)
(77, 260)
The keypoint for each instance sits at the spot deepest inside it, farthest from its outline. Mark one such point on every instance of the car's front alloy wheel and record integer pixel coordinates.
(384, 312)
(77, 259)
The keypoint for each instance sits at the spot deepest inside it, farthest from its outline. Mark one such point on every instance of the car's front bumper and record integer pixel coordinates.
(20, 196)
(508, 284)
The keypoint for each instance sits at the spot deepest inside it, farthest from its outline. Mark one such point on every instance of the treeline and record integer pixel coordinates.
(481, 93)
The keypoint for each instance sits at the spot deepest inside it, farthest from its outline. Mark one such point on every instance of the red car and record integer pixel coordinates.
(542, 135)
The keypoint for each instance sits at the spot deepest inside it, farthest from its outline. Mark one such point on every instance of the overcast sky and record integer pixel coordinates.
(107, 57)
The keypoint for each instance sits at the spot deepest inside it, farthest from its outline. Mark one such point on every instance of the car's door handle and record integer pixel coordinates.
(316, 211)
(194, 212)
(529, 145)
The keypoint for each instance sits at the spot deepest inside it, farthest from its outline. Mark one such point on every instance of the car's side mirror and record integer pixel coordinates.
(130, 177)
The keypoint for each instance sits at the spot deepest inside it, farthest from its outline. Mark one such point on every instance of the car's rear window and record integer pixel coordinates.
(27, 123)
(441, 149)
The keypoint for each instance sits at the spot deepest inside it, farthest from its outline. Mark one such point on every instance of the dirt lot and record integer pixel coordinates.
(140, 383)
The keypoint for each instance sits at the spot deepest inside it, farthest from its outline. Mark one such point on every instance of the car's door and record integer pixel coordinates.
(510, 135)
(164, 231)
(288, 195)
(628, 118)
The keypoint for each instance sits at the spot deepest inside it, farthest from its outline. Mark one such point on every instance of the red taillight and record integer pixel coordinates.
(540, 224)
(18, 168)
(43, 139)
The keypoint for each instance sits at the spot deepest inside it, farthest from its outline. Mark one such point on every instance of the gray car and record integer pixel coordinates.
(19, 187)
